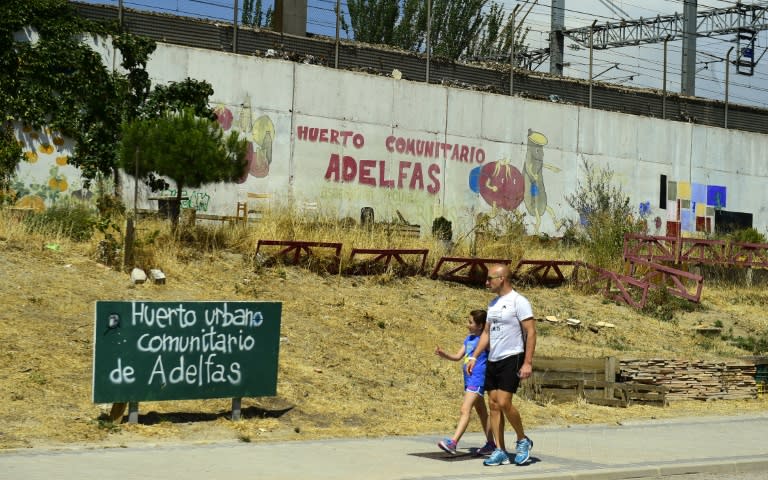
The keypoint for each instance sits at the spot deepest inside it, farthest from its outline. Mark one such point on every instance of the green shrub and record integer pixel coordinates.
(605, 216)
(442, 229)
(747, 235)
(756, 346)
(71, 219)
(663, 306)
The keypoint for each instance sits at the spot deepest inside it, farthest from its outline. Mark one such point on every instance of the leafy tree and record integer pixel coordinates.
(373, 21)
(459, 28)
(178, 96)
(56, 79)
(494, 41)
(188, 149)
(455, 24)
(254, 14)
(10, 156)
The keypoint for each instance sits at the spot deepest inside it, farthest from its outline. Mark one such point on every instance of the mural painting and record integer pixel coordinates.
(261, 133)
(691, 207)
(44, 176)
(411, 155)
(503, 186)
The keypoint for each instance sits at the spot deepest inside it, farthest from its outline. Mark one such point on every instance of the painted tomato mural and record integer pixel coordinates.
(224, 117)
(499, 183)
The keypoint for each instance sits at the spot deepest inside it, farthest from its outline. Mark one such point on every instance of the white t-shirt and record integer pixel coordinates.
(504, 316)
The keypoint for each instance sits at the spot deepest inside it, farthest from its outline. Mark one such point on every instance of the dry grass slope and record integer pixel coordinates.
(356, 353)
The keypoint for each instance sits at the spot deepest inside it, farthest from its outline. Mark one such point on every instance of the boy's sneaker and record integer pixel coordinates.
(486, 449)
(498, 457)
(523, 450)
(448, 445)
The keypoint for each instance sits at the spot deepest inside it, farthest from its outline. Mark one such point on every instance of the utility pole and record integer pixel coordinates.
(591, 44)
(727, 70)
(664, 83)
(688, 70)
(234, 31)
(429, 33)
(336, 53)
(512, 52)
(556, 37)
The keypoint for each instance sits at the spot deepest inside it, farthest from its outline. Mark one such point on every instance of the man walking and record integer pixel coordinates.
(510, 332)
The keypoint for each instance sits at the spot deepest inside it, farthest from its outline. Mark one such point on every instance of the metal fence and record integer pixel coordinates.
(383, 60)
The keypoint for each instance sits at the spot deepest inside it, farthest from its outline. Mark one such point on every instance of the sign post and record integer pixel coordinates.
(185, 350)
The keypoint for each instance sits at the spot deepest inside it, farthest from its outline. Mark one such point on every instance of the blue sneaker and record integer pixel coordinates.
(486, 449)
(498, 457)
(523, 450)
(448, 445)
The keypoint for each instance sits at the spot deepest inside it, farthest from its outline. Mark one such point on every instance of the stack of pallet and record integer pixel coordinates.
(697, 379)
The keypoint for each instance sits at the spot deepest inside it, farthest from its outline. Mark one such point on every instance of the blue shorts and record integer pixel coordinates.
(478, 389)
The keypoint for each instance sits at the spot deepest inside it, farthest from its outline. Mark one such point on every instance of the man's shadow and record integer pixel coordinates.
(464, 455)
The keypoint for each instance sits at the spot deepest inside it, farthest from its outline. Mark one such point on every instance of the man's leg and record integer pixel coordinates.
(524, 444)
(504, 401)
(496, 419)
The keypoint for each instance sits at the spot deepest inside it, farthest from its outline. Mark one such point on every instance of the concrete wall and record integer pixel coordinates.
(349, 140)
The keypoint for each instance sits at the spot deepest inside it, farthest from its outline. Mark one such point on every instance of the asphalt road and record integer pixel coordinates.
(704, 448)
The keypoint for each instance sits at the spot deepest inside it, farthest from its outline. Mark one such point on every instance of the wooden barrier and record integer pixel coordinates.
(591, 379)
(620, 288)
(650, 248)
(748, 254)
(697, 250)
(544, 272)
(465, 269)
(384, 257)
(677, 282)
(294, 251)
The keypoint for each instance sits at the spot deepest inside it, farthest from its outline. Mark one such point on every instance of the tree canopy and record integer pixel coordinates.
(459, 28)
(189, 149)
(50, 76)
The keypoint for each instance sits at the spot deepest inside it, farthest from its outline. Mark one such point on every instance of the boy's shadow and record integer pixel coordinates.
(446, 457)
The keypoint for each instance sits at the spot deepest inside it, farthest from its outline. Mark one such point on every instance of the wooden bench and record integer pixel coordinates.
(402, 230)
(255, 203)
(385, 256)
(216, 218)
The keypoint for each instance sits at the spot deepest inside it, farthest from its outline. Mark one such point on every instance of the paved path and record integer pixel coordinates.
(633, 450)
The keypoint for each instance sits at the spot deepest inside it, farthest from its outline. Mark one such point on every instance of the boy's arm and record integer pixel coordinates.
(456, 357)
(482, 345)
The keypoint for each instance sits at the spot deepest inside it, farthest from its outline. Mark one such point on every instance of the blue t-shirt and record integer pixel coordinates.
(477, 379)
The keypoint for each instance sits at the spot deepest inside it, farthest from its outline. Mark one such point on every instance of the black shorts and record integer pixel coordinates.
(503, 375)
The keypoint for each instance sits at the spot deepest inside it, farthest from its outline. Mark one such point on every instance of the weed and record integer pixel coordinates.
(756, 346)
(37, 378)
(108, 425)
(73, 220)
(605, 215)
(664, 306)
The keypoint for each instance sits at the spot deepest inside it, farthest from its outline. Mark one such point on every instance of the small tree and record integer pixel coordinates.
(605, 215)
(189, 150)
(10, 156)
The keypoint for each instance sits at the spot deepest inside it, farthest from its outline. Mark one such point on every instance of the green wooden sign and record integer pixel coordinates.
(185, 350)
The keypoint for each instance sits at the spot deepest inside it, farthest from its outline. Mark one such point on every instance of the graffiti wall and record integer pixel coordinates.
(346, 141)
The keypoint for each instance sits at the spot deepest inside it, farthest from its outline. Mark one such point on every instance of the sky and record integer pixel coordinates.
(640, 66)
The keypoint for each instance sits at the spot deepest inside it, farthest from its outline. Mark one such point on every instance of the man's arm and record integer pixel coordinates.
(529, 325)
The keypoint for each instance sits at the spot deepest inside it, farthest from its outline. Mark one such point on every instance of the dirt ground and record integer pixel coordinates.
(356, 352)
